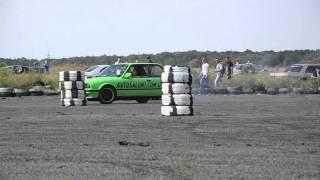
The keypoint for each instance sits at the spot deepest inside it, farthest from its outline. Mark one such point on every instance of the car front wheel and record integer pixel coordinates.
(107, 95)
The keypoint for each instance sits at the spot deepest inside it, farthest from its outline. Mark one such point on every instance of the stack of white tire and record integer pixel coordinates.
(71, 85)
(176, 96)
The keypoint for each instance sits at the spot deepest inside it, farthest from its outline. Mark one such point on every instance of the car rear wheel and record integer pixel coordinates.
(107, 95)
(143, 100)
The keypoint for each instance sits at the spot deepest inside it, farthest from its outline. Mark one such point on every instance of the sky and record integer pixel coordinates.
(68, 28)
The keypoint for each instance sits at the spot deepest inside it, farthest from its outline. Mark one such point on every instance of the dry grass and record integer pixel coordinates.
(26, 80)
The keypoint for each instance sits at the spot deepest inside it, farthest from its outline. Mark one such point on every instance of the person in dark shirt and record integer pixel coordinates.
(229, 67)
(149, 59)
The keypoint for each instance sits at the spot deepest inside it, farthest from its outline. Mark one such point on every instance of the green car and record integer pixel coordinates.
(129, 81)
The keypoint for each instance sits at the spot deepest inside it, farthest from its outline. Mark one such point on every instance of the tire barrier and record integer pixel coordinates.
(69, 94)
(6, 92)
(20, 92)
(175, 88)
(235, 90)
(273, 91)
(176, 96)
(177, 100)
(71, 76)
(74, 102)
(71, 86)
(176, 75)
(177, 110)
(36, 91)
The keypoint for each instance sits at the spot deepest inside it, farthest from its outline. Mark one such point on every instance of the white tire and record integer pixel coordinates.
(71, 85)
(176, 110)
(176, 88)
(74, 102)
(70, 94)
(20, 92)
(71, 76)
(176, 77)
(169, 68)
(177, 100)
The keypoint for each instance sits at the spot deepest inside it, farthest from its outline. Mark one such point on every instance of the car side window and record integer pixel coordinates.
(139, 70)
(103, 69)
(155, 70)
(295, 69)
(311, 69)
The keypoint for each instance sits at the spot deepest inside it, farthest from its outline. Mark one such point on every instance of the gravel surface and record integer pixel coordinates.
(229, 137)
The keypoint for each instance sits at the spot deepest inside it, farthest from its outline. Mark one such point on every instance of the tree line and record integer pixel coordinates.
(187, 58)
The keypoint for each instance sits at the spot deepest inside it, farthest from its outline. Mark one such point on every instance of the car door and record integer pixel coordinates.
(295, 70)
(154, 81)
(135, 85)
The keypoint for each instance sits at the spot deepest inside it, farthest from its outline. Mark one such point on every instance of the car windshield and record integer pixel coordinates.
(294, 68)
(91, 68)
(114, 70)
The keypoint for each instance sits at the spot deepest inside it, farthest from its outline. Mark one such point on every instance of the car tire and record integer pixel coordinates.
(107, 95)
(74, 102)
(176, 88)
(70, 94)
(176, 74)
(71, 76)
(143, 100)
(169, 68)
(20, 92)
(234, 90)
(71, 85)
(6, 92)
(177, 100)
(176, 77)
(176, 110)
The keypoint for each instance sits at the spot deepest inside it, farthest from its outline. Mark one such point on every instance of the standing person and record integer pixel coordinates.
(118, 60)
(204, 73)
(229, 68)
(220, 72)
(149, 59)
(316, 73)
(46, 67)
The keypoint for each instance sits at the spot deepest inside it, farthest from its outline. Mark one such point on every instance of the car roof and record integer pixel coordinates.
(102, 65)
(305, 65)
(142, 63)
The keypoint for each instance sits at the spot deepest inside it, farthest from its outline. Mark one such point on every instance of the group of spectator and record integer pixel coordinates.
(222, 67)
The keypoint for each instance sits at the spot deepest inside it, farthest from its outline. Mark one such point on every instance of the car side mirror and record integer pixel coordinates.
(128, 76)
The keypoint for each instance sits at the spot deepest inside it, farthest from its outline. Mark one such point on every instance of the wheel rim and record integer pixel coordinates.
(107, 95)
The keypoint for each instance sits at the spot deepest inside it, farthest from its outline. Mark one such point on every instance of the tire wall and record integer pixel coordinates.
(176, 97)
(71, 85)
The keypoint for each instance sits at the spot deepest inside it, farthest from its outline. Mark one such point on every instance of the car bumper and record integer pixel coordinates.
(92, 94)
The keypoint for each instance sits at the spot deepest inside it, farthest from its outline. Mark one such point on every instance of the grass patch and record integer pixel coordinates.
(25, 81)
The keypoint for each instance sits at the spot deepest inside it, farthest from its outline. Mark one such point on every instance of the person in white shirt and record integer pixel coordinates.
(118, 60)
(204, 74)
(219, 71)
(316, 73)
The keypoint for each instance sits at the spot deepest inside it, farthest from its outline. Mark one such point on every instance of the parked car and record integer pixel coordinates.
(128, 81)
(248, 68)
(19, 69)
(303, 71)
(93, 71)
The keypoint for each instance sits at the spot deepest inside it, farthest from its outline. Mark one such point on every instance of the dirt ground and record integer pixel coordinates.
(229, 137)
